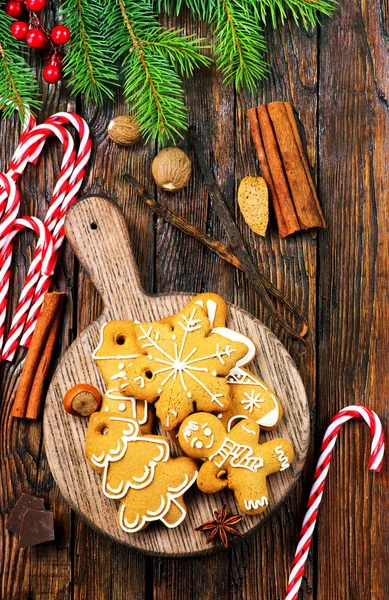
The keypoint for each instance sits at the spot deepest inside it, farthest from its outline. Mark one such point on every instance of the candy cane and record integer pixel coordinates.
(56, 213)
(43, 258)
(323, 464)
(9, 208)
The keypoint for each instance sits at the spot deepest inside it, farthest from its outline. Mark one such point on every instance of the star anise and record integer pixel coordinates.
(222, 526)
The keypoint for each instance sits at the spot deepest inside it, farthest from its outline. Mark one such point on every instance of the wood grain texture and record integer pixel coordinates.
(113, 271)
(342, 110)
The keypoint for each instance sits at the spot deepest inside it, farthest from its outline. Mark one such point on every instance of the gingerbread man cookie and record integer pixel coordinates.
(116, 350)
(235, 460)
(183, 362)
(138, 470)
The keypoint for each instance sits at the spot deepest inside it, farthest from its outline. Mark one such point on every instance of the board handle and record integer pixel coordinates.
(97, 232)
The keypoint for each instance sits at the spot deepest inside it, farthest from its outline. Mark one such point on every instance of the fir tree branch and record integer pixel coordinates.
(89, 64)
(18, 87)
(239, 43)
(152, 59)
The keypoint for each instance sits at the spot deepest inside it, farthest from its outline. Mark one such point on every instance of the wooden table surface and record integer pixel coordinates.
(338, 81)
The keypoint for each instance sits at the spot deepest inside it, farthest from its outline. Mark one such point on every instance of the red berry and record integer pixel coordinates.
(52, 73)
(35, 38)
(19, 30)
(60, 35)
(36, 5)
(14, 9)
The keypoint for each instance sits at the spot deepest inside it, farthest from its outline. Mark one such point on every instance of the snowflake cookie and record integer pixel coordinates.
(235, 460)
(183, 363)
(138, 470)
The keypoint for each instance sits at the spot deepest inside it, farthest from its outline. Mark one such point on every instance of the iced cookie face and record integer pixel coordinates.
(201, 436)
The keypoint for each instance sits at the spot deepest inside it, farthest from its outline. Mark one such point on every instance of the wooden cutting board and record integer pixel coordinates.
(97, 232)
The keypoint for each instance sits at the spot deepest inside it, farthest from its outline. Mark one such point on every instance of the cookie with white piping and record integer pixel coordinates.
(139, 471)
(183, 363)
(234, 460)
(116, 350)
(251, 398)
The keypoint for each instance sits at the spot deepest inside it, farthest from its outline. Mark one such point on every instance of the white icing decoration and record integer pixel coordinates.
(252, 401)
(234, 336)
(255, 504)
(199, 444)
(241, 377)
(121, 366)
(141, 380)
(159, 390)
(214, 373)
(282, 458)
(240, 456)
(207, 430)
(248, 430)
(122, 407)
(178, 366)
(120, 375)
(149, 357)
(211, 309)
(101, 341)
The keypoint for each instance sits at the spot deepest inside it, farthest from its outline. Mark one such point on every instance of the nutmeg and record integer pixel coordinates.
(82, 400)
(124, 131)
(171, 169)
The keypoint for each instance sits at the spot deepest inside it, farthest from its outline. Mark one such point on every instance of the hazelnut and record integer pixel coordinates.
(171, 169)
(82, 400)
(124, 131)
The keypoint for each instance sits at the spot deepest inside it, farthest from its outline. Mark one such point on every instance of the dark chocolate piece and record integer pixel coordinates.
(16, 516)
(37, 527)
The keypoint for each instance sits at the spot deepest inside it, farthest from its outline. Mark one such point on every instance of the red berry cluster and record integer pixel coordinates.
(37, 36)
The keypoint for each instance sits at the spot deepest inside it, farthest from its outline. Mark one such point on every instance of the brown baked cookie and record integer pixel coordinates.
(251, 398)
(138, 470)
(183, 364)
(116, 350)
(235, 460)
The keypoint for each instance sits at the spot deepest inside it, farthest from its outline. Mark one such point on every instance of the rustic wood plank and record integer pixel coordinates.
(291, 265)
(354, 341)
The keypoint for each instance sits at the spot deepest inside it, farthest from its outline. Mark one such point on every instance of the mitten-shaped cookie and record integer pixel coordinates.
(184, 362)
(138, 470)
(235, 460)
(251, 398)
(116, 350)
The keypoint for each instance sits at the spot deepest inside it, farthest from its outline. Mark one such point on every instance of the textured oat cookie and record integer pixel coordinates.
(235, 460)
(138, 470)
(116, 350)
(183, 364)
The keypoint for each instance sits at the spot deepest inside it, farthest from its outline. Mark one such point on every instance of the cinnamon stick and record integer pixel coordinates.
(285, 168)
(50, 311)
(39, 384)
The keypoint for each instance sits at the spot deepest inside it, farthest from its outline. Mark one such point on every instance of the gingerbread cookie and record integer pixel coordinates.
(251, 398)
(116, 350)
(184, 362)
(235, 460)
(138, 470)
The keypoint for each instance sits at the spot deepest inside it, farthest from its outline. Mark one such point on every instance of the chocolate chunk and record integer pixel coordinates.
(25, 501)
(37, 527)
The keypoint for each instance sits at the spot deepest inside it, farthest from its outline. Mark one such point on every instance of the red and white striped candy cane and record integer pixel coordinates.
(323, 464)
(43, 259)
(9, 206)
(56, 213)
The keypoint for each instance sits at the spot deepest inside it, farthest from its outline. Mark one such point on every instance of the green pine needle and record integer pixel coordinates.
(152, 60)
(18, 86)
(88, 63)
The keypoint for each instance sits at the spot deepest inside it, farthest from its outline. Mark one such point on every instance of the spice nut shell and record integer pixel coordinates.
(171, 169)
